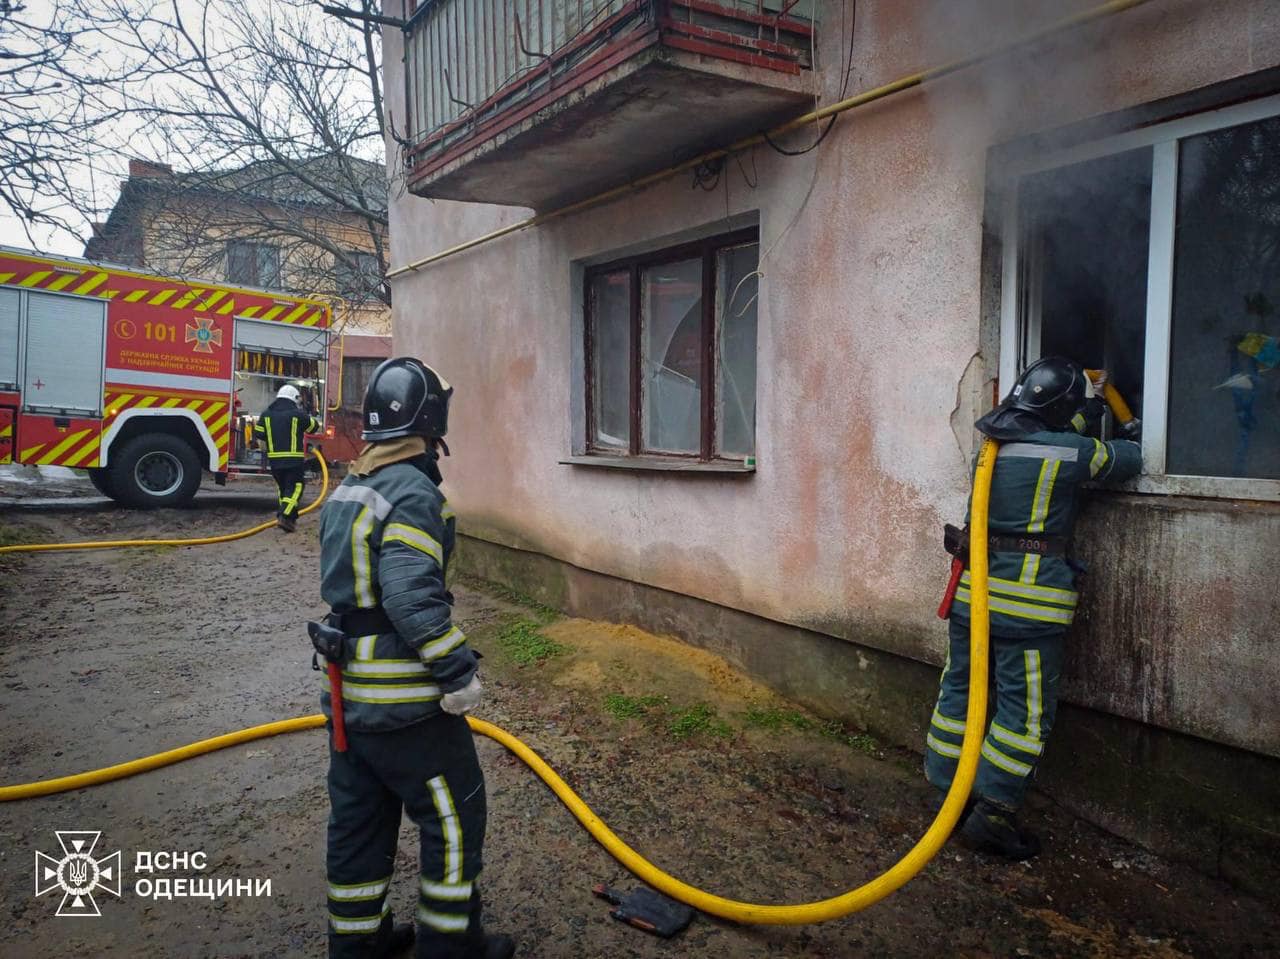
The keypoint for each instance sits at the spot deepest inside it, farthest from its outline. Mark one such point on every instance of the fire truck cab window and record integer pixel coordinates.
(1083, 265)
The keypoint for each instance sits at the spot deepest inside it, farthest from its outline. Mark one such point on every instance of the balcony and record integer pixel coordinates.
(538, 103)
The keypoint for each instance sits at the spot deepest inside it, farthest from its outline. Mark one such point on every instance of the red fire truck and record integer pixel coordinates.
(143, 380)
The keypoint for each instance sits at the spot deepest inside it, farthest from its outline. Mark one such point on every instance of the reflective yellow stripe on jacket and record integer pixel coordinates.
(1022, 609)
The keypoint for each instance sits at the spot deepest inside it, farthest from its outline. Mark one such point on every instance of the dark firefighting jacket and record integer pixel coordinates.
(1036, 493)
(282, 427)
(385, 543)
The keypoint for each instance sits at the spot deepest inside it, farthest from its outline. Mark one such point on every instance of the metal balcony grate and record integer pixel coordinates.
(470, 63)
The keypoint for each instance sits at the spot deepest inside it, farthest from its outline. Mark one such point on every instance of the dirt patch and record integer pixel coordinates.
(644, 659)
(1101, 942)
(111, 655)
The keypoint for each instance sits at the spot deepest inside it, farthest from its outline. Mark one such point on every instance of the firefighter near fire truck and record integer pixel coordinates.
(283, 427)
(146, 381)
(400, 678)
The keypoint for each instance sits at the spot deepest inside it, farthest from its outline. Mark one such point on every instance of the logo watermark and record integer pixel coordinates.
(78, 874)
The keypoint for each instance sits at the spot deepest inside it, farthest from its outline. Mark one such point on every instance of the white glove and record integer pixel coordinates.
(462, 701)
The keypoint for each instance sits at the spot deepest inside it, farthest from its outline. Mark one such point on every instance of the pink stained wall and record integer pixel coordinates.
(870, 321)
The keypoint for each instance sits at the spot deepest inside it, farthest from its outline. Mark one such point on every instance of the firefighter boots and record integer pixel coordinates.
(494, 947)
(991, 829)
(398, 942)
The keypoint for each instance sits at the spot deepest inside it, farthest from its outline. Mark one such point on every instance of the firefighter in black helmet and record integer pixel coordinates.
(408, 679)
(1043, 462)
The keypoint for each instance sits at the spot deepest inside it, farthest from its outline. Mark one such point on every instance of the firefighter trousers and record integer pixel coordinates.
(430, 770)
(1026, 673)
(291, 480)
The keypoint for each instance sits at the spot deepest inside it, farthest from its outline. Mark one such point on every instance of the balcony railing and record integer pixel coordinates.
(476, 68)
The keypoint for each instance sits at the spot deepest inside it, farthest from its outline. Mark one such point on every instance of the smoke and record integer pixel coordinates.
(1028, 88)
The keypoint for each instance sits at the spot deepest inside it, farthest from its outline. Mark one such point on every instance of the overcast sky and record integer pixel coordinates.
(12, 231)
(99, 175)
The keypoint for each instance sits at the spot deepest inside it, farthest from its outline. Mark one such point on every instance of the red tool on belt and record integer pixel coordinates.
(330, 644)
(956, 542)
(335, 705)
(957, 570)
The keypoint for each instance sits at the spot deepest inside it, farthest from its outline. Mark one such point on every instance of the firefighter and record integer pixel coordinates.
(408, 678)
(282, 427)
(1043, 461)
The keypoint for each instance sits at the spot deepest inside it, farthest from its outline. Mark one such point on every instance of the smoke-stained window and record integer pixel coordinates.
(1085, 231)
(1159, 261)
(671, 356)
(737, 286)
(610, 309)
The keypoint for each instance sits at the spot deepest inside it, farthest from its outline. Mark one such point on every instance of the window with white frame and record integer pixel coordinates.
(1156, 255)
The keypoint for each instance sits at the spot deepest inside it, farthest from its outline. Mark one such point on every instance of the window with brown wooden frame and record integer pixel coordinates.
(254, 264)
(671, 351)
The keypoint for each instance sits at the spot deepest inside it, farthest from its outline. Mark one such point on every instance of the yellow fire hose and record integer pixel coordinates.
(194, 541)
(1111, 396)
(834, 908)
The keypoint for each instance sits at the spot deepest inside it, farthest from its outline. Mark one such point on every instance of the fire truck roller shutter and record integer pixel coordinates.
(65, 338)
(280, 338)
(10, 302)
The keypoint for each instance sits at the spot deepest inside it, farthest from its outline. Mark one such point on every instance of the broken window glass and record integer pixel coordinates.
(737, 286)
(683, 368)
(670, 357)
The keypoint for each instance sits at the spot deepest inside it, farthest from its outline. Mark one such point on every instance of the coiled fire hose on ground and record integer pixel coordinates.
(193, 541)
(744, 912)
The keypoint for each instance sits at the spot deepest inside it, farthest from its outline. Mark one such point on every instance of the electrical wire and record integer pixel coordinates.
(752, 181)
(803, 150)
(844, 89)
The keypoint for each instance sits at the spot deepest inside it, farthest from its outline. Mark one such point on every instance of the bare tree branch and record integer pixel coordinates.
(272, 106)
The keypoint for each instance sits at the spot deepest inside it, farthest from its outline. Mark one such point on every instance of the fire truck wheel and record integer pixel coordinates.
(101, 480)
(154, 470)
